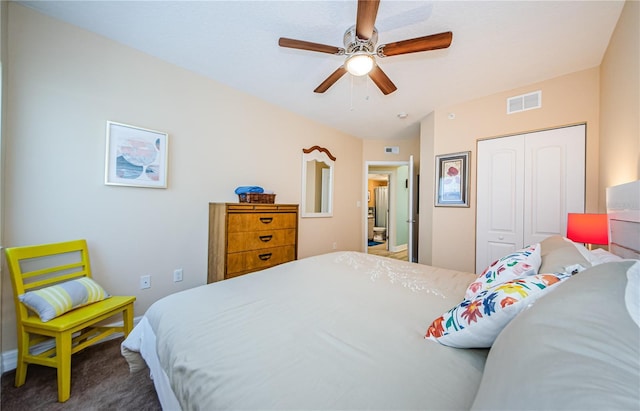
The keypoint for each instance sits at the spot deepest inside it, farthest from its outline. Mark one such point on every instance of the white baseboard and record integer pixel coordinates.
(10, 358)
(398, 248)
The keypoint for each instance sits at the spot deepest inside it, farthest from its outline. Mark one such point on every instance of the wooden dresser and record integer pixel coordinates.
(247, 237)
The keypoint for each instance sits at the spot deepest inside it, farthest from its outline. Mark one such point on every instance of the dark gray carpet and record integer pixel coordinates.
(100, 380)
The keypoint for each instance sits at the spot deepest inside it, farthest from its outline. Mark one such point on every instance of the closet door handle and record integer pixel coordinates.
(266, 220)
(264, 257)
(266, 238)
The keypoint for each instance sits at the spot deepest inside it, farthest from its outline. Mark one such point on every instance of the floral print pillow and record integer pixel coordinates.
(476, 322)
(523, 262)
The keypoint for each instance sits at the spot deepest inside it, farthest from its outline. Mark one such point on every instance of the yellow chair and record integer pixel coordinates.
(36, 267)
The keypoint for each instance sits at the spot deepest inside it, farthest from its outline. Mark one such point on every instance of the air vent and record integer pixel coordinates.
(392, 150)
(524, 102)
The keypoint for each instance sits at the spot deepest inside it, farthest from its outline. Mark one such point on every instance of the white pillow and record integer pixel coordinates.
(632, 292)
(520, 263)
(596, 256)
(601, 256)
(476, 322)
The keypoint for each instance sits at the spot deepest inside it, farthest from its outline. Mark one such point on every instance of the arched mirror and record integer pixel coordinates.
(317, 182)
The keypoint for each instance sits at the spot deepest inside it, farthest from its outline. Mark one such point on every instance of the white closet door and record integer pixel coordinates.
(500, 196)
(526, 185)
(554, 181)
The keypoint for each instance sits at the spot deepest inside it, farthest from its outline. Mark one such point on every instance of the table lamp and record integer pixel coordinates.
(588, 228)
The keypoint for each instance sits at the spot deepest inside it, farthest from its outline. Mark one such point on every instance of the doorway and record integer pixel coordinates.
(378, 224)
(388, 215)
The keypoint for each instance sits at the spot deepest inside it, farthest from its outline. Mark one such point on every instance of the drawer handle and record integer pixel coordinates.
(266, 220)
(264, 257)
(266, 238)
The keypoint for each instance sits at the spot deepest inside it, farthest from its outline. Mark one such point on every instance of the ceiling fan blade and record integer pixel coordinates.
(307, 45)
(383, 82)
(366, 18)
(432, 42)
(335, 76)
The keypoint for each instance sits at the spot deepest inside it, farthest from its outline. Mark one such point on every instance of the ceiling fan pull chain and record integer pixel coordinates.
(351, 94)
(366, 88)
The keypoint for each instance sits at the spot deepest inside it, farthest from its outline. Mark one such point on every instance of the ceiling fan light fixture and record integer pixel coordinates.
(360, 49)
(359, 64)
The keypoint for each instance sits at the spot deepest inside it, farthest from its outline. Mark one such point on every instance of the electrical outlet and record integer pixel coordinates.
(335, 245)
(177, 275)
(145, 282)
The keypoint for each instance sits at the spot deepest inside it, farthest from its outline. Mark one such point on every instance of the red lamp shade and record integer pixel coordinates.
(588, 228)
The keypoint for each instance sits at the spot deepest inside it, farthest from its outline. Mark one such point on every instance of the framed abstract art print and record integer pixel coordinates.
(452, 180)
(135, 156)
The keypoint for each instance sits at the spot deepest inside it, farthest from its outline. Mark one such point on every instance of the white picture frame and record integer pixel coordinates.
(135, 156)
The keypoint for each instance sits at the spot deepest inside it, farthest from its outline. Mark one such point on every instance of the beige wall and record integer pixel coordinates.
(620, 103)
(566, 100)
(65, 83)
(426, 189)
(3, 88)
(373, 150)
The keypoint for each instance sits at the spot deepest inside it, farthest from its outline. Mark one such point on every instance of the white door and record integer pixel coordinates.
(500, 198)
(554, 181)
(526, 185)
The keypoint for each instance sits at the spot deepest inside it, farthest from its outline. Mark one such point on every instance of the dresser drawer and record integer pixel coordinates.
(256, 240)
(261, 221)
(241, 263)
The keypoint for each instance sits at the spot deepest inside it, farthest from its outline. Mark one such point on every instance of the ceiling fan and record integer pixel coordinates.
(360, 49)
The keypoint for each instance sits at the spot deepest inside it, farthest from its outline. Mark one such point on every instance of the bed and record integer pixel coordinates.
(551, 326)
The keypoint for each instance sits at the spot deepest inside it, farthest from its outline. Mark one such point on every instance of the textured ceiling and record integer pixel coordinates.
(497, 46)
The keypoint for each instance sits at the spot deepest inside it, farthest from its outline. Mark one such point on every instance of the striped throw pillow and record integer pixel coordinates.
(51, 302)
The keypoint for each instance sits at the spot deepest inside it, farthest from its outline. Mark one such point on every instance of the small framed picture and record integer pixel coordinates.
(135, 156)
(452, 180)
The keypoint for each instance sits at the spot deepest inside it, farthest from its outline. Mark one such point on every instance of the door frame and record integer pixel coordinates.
(412, 238)
(390, 206)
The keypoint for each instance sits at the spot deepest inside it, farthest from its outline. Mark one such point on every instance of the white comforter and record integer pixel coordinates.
(340, 331)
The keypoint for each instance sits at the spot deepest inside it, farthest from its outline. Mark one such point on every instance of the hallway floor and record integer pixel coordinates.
(381, 249)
